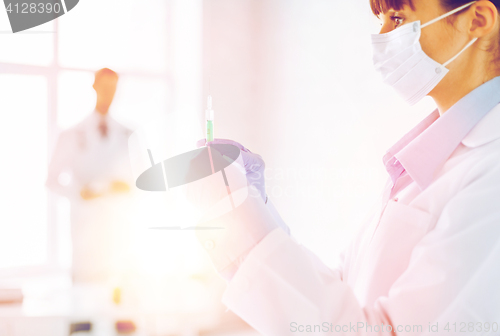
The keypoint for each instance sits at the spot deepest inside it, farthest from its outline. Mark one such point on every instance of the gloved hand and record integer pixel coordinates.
(241, 229)
(254, 167)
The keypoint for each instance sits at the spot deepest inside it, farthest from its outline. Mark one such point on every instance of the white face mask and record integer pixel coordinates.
(399, 57)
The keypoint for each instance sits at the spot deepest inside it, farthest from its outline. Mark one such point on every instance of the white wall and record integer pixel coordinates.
(293, 81)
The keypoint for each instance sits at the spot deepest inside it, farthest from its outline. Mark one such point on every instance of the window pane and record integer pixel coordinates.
(122, 35)
(33, 46)
(76, 97)
(23, 148)
(140, 100)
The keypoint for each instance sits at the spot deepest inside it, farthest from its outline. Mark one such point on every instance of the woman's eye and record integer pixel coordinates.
(398, 21)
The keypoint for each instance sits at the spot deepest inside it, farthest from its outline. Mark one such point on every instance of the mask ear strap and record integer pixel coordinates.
(461, 51)
(447, 14)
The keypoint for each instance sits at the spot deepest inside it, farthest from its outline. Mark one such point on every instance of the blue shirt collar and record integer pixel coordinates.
(423, 150)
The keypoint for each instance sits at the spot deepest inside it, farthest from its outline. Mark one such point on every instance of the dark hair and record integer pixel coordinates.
(450, 4)
(381, 6)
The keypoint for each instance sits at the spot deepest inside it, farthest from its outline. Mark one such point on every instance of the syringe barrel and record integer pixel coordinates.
(209, 114)
(210, 130)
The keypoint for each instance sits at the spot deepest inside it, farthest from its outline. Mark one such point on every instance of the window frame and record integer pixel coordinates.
(51, 73)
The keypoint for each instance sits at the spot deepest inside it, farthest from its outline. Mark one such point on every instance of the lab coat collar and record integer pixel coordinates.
(487, 130)
(94, 119)
(424, 149)
(98, 116)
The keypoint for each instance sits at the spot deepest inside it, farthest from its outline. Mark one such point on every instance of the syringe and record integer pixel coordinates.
(209, 115)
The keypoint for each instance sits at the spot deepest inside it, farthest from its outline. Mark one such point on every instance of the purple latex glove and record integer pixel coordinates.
(254, 166)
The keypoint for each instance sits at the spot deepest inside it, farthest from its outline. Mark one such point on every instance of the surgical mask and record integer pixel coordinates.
(399, 57)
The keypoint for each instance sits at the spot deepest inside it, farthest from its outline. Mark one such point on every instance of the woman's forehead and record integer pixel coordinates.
(381, 6)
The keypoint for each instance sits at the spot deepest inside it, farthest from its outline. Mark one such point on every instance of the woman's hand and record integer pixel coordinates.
(253, 163)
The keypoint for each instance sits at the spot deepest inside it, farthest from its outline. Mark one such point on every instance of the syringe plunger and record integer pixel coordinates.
(209, 113)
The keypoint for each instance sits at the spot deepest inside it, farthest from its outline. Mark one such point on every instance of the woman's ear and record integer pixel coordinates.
(484, 16)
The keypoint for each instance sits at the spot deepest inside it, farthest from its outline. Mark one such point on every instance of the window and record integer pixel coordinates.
(23, 233)
(46, 76)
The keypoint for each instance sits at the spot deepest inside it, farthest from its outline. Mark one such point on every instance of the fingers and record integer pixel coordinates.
(202, 142)
(251, 160)
(228, 142)
(254, 164)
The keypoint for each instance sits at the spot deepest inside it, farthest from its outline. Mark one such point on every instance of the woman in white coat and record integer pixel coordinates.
(428, 262)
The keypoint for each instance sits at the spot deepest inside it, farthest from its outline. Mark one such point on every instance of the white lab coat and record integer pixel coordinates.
(99, 227)
(429, 258)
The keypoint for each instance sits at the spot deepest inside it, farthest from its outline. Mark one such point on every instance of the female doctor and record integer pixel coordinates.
(428, 262)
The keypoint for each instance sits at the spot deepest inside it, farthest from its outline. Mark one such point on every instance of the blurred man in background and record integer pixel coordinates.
(90, 167)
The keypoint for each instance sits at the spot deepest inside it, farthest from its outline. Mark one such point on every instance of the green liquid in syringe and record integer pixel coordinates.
(210, 130)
